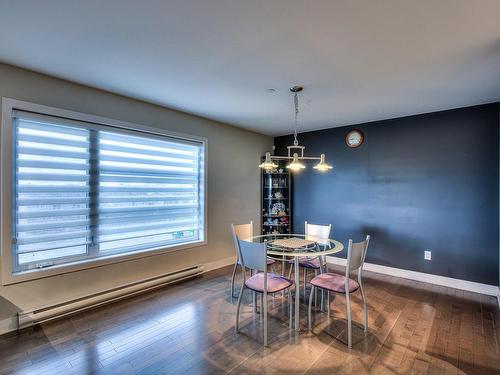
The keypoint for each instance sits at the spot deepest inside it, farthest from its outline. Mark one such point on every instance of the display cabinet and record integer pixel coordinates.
(276, 200)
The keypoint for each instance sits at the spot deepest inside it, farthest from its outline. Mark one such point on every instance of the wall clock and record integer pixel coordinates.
(354, 138)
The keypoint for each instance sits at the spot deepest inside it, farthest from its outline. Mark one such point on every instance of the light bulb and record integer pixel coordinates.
(322, 166)
(268, 164)
(295, 165)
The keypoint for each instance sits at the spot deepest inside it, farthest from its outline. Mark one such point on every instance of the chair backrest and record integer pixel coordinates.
(320, 233)
(356, 253)
(253, 255)
(241, 231)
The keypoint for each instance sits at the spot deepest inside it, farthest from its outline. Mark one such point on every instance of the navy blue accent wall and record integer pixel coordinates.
(425, 182)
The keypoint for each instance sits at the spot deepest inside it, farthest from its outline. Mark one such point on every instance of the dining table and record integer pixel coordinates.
(294, 247)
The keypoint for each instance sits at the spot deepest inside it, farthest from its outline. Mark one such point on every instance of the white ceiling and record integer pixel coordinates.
(358, 60)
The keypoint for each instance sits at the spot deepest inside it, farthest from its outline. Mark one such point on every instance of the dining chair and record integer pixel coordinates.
(331, 282)
(253, 256)
(320, 234)
(242, 231)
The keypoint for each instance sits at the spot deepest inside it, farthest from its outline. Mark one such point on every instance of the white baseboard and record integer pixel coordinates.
(471, 286)
(10, 323)
(229, 261)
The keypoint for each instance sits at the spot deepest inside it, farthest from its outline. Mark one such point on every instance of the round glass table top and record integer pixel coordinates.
(297, 245)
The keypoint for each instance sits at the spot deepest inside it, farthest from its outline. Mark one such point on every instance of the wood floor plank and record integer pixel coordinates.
(188, 328)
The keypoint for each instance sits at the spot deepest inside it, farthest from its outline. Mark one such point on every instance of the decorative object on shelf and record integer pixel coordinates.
(277, 207)
(354, 138)
(271, 221)
(280, 170)
(294, 151)
(278, 195)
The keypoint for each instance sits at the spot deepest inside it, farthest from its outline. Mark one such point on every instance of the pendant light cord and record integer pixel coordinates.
(296, 102)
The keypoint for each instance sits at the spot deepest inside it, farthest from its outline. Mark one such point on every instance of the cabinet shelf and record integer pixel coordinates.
(274, 182)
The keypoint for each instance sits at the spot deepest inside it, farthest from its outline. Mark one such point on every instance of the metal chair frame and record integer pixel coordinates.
(356, 254)
(253, 256)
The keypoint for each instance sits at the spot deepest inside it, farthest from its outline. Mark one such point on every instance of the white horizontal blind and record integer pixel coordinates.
(149, 193)
(84, 191)
(52, 206)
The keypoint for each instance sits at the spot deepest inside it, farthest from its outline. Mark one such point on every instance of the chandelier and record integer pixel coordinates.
(295, 152)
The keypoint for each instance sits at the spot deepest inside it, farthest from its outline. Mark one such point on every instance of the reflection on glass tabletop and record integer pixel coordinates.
(297, 244)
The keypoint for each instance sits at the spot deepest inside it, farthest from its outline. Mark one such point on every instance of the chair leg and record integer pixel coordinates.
(323, 292)
(365, 310)
(309, 319)
(261, 303)
(305, 281)
(283, 274)
(238, 309)
(315, 292)
(254, 295)
(290, 307)
(232, 278)
(328, 303)
(264, 307)
(349, 325)
(290, 272)
(322, 304)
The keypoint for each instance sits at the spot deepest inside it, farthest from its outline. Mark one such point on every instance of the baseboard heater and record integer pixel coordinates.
(44, 314)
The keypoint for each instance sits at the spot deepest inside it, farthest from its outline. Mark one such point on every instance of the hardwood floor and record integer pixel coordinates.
(188, 328)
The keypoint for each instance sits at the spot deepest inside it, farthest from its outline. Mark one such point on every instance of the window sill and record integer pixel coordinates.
(25, 276)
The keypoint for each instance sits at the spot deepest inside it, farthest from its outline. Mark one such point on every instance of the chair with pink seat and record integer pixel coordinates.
(253, 256)
(242, 231)
(331, 282)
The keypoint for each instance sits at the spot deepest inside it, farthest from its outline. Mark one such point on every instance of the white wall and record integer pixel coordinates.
(233, 183)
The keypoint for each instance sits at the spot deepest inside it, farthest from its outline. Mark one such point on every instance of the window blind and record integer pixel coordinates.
(149, 193)
(84, 190)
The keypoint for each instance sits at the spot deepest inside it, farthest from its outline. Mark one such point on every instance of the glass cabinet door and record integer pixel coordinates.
(276, 200)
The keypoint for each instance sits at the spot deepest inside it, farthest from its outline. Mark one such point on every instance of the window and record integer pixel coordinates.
(83, 191)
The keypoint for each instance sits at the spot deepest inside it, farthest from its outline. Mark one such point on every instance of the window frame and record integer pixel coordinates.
(7, 180)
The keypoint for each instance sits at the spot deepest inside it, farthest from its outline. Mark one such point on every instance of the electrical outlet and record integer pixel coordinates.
(427, 255)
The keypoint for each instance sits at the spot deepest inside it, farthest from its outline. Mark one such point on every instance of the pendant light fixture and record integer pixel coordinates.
(322, 166)
(295, 152)
(268, 164)
(295, 165)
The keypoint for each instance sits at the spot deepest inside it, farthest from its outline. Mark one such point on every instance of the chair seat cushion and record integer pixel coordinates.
(334, 283)
(269, 261)
(305, 262)
(275, 283)
(310, 263)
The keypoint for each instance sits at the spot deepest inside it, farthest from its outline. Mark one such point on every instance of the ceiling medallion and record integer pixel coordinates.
(295, 152)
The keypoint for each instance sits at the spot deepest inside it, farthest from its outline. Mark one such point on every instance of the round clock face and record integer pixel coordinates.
(354, 138)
